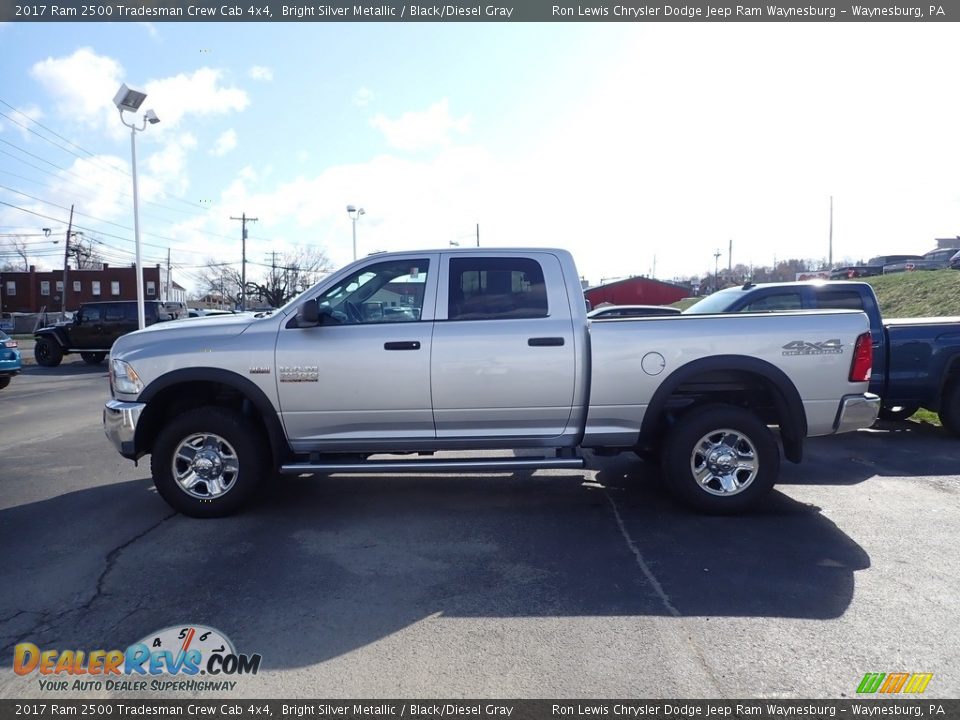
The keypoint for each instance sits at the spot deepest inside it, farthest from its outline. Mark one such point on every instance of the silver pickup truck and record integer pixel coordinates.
(417, 352)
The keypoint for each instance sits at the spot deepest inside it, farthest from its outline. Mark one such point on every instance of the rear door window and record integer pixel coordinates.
(839, 300)
(496, 288)
(775, 302)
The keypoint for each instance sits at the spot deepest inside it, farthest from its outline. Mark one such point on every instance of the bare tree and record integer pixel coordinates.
(290, 273)
(15, 253)
(220, 281)
(85, 255)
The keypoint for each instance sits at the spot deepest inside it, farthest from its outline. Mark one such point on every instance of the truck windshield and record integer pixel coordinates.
(716, 303)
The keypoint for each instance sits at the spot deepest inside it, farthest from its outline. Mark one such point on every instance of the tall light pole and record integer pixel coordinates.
(830, 250)
(716, 270)
(355, 214)
(131, 100)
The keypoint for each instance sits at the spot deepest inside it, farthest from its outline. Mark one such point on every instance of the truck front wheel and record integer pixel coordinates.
(47, 352)
(720, 459)
(950, 407)
(207, 462)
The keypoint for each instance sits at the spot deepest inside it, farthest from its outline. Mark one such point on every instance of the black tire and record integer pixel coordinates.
(47, 352)
(950, 407)
(4, 381)
(241, 443)
(93, 358)
(750, 438)
(897, 412)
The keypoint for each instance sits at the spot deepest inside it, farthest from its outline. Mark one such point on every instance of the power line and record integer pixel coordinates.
(91, 155)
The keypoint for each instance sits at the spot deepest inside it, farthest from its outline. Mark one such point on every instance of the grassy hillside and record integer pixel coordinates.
(911, 294)
(918, 294)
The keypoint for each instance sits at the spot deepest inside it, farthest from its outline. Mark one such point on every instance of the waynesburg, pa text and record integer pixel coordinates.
(775, 12)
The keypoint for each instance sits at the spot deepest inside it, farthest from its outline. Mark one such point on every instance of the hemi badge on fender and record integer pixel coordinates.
(259, 371)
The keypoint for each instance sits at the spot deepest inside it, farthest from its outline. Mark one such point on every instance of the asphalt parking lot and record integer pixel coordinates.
(551, 584)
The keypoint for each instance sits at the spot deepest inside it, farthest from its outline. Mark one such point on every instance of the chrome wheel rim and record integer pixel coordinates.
(724, 462)
(205, 466)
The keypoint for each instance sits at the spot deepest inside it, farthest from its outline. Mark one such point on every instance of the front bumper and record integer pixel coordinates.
(120, 425)
(857, 411)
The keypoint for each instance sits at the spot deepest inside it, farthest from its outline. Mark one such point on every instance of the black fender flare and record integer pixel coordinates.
(271, 420)
(51, 332)
(793, 425)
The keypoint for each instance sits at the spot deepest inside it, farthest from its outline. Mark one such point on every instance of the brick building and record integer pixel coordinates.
(32, 292)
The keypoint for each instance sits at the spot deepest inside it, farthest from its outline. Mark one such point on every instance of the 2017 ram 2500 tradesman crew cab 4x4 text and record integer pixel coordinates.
(417, 352)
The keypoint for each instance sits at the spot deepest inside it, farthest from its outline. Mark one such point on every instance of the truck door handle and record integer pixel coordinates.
(404, 345)
(545, 342)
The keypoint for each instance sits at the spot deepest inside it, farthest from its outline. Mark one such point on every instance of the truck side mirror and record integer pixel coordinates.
(309, 314)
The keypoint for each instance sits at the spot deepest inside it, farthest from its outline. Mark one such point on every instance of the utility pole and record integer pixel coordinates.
(730, 257)
(478, 234)
(167, 295)
(66, 255)
(243, 271)
(830, 257)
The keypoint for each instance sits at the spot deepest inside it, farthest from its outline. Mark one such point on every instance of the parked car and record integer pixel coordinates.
(934, 260)
(622, 311)
(10, 361)
(955, 261)
(916, 362)
(93, 330)
(202, 312)
(498, 355)
(874, 266)
(6, 322)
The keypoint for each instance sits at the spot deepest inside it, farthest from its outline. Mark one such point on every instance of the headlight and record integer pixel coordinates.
(124, 377)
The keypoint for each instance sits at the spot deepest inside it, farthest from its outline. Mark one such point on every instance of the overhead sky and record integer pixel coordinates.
(620, 142)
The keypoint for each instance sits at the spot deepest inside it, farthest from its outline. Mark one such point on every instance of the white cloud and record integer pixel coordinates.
(259, 72)
(167, 169)
(197, 93)
(225, 143)
(151, 28)
(83, 85)
(363, 97)
(414, 131)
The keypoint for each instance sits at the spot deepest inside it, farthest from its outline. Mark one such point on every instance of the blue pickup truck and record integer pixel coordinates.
(916, 361)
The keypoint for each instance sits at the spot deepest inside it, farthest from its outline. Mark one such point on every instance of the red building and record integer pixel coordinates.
(32, 292)
(636, 291)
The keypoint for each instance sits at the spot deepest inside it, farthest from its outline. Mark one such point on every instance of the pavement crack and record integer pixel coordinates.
(661, 593)
(47, 621)
(114, 555)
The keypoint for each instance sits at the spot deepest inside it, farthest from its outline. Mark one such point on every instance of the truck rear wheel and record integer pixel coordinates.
(720, 459)
(207, 462)
(47, 352)
(93, 358)
(950, 407)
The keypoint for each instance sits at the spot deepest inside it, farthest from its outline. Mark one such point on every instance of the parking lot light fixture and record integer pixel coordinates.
(355, 214)
(130, 101)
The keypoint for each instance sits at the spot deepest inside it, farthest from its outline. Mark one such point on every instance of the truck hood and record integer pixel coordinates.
(186, 329)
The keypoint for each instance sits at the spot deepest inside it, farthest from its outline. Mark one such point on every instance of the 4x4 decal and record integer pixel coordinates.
(805, 347)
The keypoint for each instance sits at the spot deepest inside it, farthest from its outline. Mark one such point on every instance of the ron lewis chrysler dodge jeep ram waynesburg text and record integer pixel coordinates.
(416, 352)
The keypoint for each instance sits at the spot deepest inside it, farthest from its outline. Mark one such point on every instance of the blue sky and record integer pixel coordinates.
(620, 142)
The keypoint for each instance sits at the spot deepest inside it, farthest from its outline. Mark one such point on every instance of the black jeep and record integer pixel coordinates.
(94, 328)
